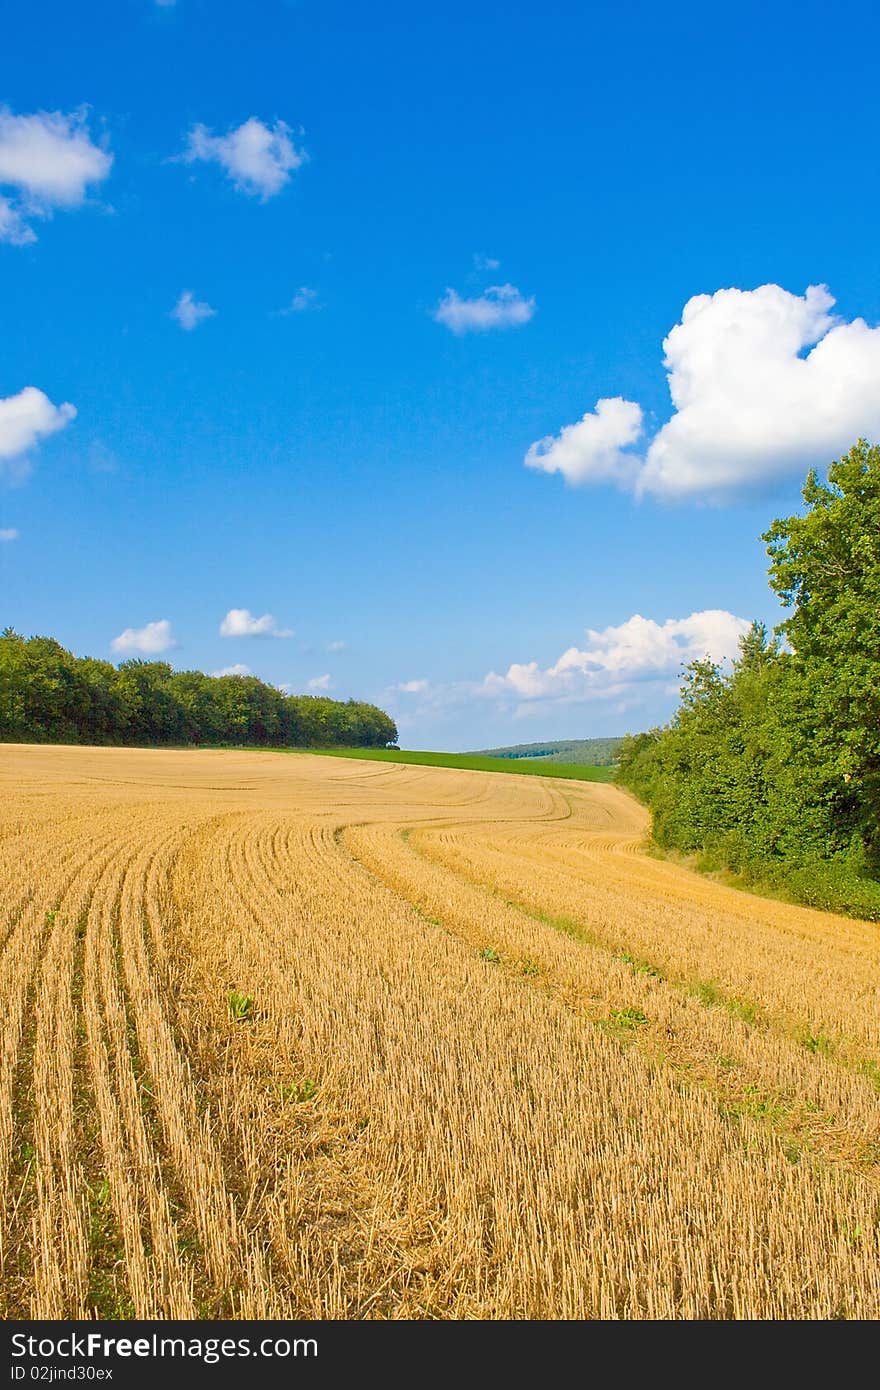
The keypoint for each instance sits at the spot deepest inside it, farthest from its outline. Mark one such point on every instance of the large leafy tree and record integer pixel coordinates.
(773, 768)
(826, 569)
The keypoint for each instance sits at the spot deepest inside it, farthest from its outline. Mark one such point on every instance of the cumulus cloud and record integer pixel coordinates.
(240, 622)
(336, 646)
(593, 450)
(630, 669)
(190, 312)
(239, 669)
(8, 533)
(258, 158)
(49, 161)
(764, 384)
(149, 640)
(751, 403)
(500, 306)
(27, 418)
(635, 651)
(321, 682)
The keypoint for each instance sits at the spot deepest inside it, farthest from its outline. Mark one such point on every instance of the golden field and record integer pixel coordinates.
(293, 1036)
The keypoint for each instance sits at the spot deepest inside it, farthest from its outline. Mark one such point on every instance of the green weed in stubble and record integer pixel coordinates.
(628, 1018)
(241, 1006)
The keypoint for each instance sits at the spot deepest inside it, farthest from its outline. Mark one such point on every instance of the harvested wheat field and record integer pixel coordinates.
(293, 1036)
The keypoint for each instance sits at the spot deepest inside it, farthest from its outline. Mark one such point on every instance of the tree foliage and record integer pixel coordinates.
(773, 768)
(49, 695)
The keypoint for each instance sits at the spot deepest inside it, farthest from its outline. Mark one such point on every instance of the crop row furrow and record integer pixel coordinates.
(760, 960)
(807, 1099)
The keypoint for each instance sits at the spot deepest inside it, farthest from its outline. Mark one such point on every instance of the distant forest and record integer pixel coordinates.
(589, 752)
(772, 769)
(48, 695)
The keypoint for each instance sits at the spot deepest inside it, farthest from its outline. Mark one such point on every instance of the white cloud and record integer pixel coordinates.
(305, 298)
(50, 157)
(336, 646)
(636, 651)
(49, 160)
(240, 622)
(150, 640)
(258, 158)
(27, 418)
(764, 384)
(239, 669)
(321, 682)
(749, 406)
(592, 450)
(632, 669)
(13, 227)
(190, 312)
(8, 533)
(500, 306)
(482, 262)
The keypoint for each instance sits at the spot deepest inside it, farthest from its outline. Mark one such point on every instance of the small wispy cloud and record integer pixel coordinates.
(258, 158)
(150, 640)
(190, 312)
(239, 669)
(500, 306)
(321, 682)
(336, 646)
(14, 227)
(417, 687)
(8, 533)
(240, 622)
(305, 298)
(482, 262)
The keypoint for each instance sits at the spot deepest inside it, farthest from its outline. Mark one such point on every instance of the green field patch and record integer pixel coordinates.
(470, 762)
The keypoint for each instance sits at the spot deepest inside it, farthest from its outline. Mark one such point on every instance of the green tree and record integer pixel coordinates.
(825, 566)
(46, 693)
(773, 767)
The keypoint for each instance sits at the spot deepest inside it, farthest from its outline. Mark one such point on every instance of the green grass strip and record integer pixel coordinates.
(523, 767)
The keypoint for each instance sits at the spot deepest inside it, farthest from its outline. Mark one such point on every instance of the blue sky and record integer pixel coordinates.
(354, 466)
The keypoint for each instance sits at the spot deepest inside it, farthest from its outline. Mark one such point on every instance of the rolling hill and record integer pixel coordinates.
(595, 752)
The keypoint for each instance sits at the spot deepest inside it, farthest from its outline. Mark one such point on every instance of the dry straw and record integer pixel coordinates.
(300, 1037)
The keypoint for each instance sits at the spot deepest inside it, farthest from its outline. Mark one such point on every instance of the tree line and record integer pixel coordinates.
(49, 695)
(772, 769)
